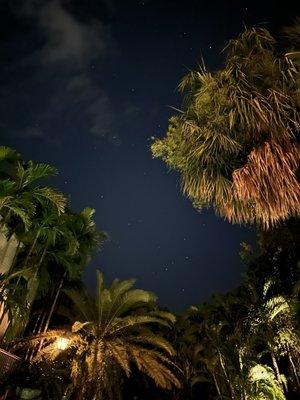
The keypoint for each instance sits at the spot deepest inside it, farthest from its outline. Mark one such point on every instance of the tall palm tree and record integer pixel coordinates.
(234, 143)
(45, 229)
(79, 238)
(194, 356)
(22, 200)
(113, 331)
(271, 324)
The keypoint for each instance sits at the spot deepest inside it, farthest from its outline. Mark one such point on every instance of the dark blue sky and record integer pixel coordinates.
(86, 88)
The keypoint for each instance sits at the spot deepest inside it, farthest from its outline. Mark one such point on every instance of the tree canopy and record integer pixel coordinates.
(234, 142)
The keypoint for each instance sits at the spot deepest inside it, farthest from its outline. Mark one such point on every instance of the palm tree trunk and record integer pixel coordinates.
(226, 375)
(16, 255)
(37, 271)
(216, 384)
(52, 309)
(31, 248)
(276, 368)
(55, 301)
(27, 257)
(293, 369)
(32, 287)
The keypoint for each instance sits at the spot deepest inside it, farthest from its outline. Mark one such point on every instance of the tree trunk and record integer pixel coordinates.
(277, 372)
(31, 295)
(293, 369)
(16, 255)
(31, 248)
(52, 310)
(27, 257)
(226, 375)
(216, 385)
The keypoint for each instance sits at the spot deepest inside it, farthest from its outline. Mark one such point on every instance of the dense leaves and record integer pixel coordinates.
(235, 141)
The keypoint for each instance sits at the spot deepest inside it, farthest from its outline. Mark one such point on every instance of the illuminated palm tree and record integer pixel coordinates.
(262, 384)
(113, 332)
(272, 324)
(234, 141)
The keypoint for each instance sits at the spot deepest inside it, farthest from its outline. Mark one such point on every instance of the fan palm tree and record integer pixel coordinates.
(234, 141)
(113, 331)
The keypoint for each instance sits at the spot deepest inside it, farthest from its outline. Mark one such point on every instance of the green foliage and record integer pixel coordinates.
(234, 141)
(55, 242)
(263, 385)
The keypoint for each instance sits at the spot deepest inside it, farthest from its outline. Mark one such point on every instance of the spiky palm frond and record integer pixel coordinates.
(51, 195)
(27, 174)
(109, 337)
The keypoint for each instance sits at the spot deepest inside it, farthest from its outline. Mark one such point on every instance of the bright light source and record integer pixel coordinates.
(62, 343)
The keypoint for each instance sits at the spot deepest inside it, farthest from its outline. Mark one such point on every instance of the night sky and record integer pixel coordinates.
(86, 85)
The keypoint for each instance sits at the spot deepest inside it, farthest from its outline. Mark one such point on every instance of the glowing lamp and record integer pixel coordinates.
(62, 343)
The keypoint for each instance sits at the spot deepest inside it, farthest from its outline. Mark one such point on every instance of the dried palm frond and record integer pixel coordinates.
(268, 180)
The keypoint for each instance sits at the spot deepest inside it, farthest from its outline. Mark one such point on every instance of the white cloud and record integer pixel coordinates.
(66, 38)
(70, 96)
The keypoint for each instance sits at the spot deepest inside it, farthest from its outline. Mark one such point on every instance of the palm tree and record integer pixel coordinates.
(211, 354)
(262, 384)
(21, 200)
(20, 194)
(113, 331)
(194, 355)
(78, 239)
(234, 141)
(271, 324)
(45, 230)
